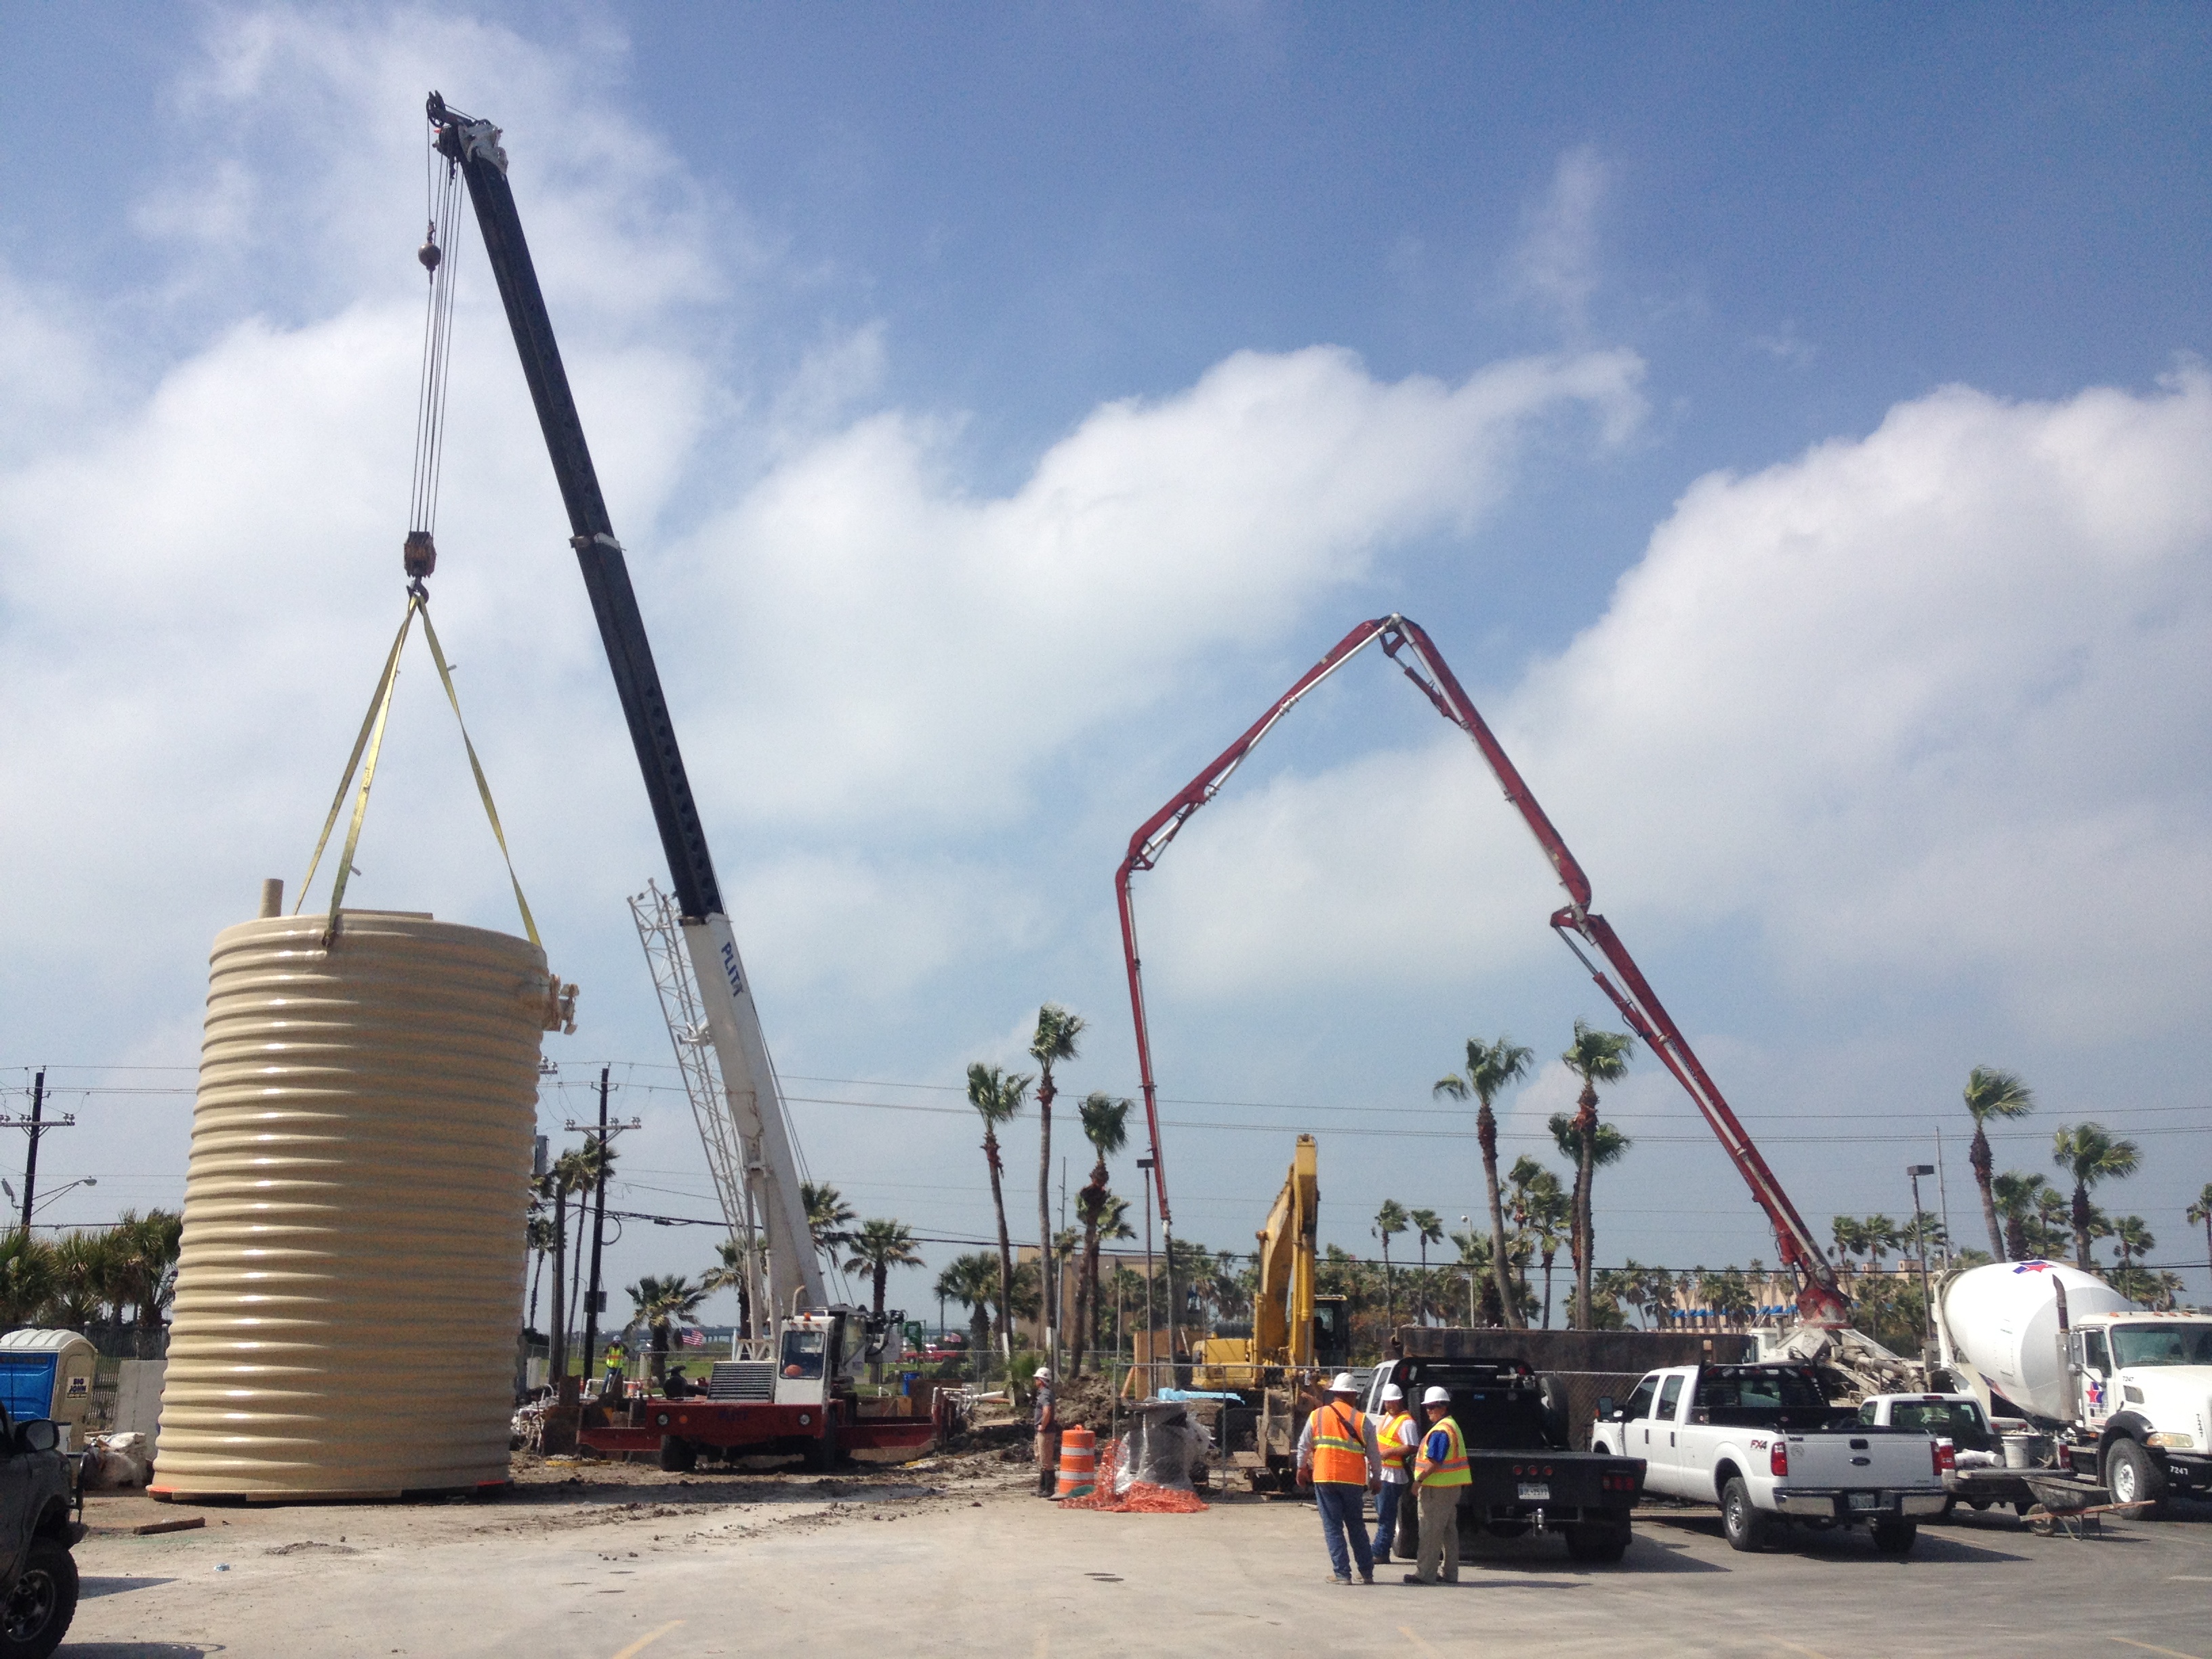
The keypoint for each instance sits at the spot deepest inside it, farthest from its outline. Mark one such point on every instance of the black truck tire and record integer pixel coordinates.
(678, 1454)
(38, 1609)
(1597, 1541)
(2134, 1476)
(1895, 1537)
(1747, 1528)
(822, 1454)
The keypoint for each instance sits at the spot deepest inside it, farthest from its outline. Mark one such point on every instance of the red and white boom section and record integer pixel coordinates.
(1820, 1299)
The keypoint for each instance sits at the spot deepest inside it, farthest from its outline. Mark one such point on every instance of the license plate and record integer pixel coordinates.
(1535, 1492)
(1866, 1500)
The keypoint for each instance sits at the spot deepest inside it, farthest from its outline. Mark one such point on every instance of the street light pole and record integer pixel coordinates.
(1920, 1237)
(1469, 1226)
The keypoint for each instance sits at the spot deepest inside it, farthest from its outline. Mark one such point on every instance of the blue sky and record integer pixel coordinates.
(1791, 426)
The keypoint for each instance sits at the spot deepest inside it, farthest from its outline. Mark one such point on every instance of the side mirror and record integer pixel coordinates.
(1605, 1412)
(38, 1435)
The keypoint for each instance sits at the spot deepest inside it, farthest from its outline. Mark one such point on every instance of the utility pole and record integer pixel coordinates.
(1943, 1194)
(37, 1124)
(1920, 1234)
(1469, 1226)
(595, 1298)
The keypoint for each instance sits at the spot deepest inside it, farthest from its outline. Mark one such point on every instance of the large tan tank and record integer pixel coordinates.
(352, 1277)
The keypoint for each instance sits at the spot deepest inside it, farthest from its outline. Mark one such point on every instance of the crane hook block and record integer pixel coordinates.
(431, 253)
(420, 555)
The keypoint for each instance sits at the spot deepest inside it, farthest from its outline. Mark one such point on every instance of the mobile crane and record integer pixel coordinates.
(1822, 1305)
(803, 1398)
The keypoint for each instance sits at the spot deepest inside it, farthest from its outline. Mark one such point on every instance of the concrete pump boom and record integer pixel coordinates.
(732, 1020)
(1820, 1298)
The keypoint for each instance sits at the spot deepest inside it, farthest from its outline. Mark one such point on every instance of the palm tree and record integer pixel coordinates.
(1428, 1229)
(1104, 1216)
(537, 1238)
(27, 1276)
(1105, 1122)
(146, 1257)
(728, 1273)
(1389, 1221)
(575, 1173)
(1991, 1093)
(83, 1275)
(1595, 1057)
(1850, 1234)
(878, 1248)
(1548, 1213)
(2092, 1154)
(2201, 1212)
(828, 1216)
(968, 1279)
(2131, 1237)
(1881, 1235)
(1054, 1041)
(1608, 1146)
(1490, 1067)
(660, 1303)
(997, 1099)
(1474, 1263)
(2013, 1196)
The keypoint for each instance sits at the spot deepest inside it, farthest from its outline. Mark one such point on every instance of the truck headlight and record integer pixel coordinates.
(2172, 1441)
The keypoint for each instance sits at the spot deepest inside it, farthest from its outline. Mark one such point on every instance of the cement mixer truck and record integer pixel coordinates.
(2125, 1393)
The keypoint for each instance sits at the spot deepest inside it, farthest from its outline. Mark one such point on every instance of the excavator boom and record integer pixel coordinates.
(1820, 1298)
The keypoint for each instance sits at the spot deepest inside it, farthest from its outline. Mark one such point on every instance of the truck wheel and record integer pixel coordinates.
(2134, 1476)
(822, 1455)
(1895, 1537)
(1597, 1543)
(1747, 1528)
(678, 1454)
(38, 1609)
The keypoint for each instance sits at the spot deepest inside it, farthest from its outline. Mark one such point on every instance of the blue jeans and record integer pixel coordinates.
(1386, 1516)
(1342, 1507)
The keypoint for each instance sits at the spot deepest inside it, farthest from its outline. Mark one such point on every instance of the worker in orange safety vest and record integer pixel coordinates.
(1339, 1457)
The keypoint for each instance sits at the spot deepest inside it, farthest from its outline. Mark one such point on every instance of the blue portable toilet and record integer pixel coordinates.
(48, 1373)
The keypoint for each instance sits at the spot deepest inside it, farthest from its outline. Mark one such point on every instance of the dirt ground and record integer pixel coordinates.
(954, 1554)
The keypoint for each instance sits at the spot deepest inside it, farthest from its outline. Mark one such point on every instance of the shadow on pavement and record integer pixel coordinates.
(86, 1588)
(139, 1649)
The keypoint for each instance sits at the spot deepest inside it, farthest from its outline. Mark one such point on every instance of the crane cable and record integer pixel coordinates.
(443, 191)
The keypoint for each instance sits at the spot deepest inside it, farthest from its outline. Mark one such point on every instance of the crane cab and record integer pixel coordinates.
(810, 1357)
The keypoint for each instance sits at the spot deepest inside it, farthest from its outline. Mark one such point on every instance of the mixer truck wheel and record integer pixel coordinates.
(1747, 1528)
(2134, 1476)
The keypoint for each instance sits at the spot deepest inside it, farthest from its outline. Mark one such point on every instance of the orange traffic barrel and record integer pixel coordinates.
(1079, 1464)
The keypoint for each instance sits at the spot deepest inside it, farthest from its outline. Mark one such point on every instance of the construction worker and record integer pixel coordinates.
(1045, 1419)
(1397, 1438)
(1339, 1457)
(1439, 1472)
(618, 1359)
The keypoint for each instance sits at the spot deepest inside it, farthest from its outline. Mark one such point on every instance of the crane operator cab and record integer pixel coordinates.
(821, 1350)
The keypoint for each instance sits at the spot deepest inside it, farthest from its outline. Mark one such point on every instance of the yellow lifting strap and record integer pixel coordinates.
(370, 742)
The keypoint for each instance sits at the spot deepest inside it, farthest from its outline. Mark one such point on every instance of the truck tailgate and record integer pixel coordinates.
(1861, 1458)
(1554, 1481)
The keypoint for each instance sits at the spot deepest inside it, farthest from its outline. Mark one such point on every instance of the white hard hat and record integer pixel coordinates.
(1343, 1384)
(1437, 1397)
(1392, 1391)
(1044, 1372)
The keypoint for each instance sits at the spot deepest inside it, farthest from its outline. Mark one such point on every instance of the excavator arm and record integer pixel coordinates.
(1820, 1298)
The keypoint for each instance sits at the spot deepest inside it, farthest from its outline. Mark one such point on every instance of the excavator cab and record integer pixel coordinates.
(1332, 1333)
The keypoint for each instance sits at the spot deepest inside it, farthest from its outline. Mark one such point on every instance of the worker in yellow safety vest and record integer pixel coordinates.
(1396, 1437)
(1440, 1472)
(1339, 1457)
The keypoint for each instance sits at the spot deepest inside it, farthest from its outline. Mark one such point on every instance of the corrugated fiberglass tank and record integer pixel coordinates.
(351, 1276)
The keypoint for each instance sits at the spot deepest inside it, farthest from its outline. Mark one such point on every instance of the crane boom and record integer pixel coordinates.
(1820, 1298)
(732, 1020)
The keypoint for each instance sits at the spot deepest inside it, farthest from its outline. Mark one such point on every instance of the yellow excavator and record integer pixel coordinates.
(1298, 1337)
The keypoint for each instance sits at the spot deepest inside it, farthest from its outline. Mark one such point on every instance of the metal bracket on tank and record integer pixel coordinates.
(560, 1006)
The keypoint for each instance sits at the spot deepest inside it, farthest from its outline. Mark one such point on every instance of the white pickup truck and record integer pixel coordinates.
(1764, 1443)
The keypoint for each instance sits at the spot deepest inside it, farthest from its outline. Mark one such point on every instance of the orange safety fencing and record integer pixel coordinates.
(1142, 1497)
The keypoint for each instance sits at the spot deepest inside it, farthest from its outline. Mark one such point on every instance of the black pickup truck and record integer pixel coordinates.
(1523, 1475)
(40, 1504)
